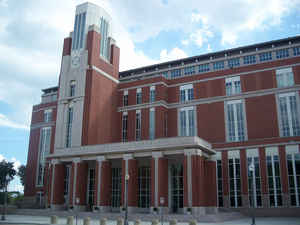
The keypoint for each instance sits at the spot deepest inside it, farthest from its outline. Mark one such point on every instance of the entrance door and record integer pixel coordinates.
(67, 184)
(176, 187)
(91, 188)
(116, 188)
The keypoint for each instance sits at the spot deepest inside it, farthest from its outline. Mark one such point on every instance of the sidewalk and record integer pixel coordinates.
(21, 219)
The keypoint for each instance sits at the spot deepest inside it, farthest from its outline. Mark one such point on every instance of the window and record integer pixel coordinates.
(187, 121)
(67, 182)
(235, 121)
(234, 179)
(79, 28)
(189, 70)
(186, 93)
(204, 68)
(296, 51)
(47, 115)
(125, 98)
(72, 88)
(249, 59)
(69, 127)
(289, 115)
(220, 183)
(274, 182)
(116, 187)
(233, 62)
(265, 56)
(91, 186)
(139, 96)
(254, 181)
(44, 150)
(293, 165)
(104, 45)
(218, 65)
(152, 124)
(175, 73)
(285, 77)
(152, 94)
(144, 180)
(233, 85)
(124, 126)
(282, 53)
(138, 125)
(165, 74)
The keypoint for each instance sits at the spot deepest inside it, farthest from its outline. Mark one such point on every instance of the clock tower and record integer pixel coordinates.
(88, 81)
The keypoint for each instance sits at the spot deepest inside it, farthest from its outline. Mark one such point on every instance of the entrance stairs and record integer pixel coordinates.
(218, 217)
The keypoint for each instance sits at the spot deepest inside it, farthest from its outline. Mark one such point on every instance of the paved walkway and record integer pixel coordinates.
(22, 219)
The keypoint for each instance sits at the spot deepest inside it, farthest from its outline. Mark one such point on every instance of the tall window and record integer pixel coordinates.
(254, 181)
(144, 180)
(249, 59)
(293, 164)
(285, 77)
(48, 115)
(265, 56)
(220, 183)
(45, 140)
(152, 94)
(233, 62)
(289, 115)
(69, 127)
(189, 70)
(274, 182)
(116, 187)
(218, 65)
(67, 182)
(175, 73)
(125, 98)
(104, 45)
(187, 121)
(235, 121)
(124, 127)
(296, 51)
(235, 180)
(204, 68)
(72, 88)
(78, 34)
(138, 125)
(233, 85)
(186, 93)
(139, 96)
(91, 186)
(152, 124)
(282, 53)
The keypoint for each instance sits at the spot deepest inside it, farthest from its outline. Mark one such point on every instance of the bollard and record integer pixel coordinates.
(103, 221)
(70, 220)
(173, 222)
(120, 221)
(154, 222)
(193, 222)
(54, 219)
(137, 222)
(87, 221)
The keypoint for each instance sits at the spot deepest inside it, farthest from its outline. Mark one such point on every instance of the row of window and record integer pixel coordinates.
(275, 198)
(284, 78)
(234, 62)
(289, 123)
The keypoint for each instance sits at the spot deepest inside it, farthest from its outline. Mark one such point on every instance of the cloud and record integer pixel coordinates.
(175, 53)
(5, 122)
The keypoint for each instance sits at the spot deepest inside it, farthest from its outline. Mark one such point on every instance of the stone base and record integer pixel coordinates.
(80, 208)
(102, 209)
(245, 201)
(165, 210)
(201, 211)
(57, 207)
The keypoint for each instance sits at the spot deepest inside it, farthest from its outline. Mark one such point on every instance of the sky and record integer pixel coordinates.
(147, 32)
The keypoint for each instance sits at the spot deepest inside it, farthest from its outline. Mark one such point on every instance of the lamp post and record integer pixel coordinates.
(251, 169)
(126, 199)
(5, 197)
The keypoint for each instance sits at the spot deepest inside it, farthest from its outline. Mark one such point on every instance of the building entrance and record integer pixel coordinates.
(116, 188)
(67, 185)
(176, 171)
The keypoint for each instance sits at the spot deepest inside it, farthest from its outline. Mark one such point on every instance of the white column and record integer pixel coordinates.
(99, 159)
(53, 162)
(75, 161)
(156, 156)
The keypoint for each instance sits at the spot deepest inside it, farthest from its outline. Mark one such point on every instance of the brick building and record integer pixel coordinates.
(185, 130)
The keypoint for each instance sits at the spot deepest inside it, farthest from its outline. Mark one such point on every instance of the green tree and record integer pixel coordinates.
(22, 174)
(6, 168)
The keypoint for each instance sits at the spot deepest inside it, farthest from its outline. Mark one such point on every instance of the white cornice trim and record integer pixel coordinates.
(105, 74)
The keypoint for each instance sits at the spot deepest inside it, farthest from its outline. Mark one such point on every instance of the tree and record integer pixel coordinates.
(6, 168)
(22, 174)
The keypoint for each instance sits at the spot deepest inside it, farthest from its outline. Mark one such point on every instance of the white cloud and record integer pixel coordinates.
(201, 36)
(185, 42)
(209, 48)
(1, 158)
(5, 122)
(175, 53)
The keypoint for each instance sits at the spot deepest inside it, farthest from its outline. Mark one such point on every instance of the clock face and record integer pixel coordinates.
(75, 60)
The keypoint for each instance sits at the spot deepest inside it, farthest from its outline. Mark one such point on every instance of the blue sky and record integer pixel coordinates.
(147, 32)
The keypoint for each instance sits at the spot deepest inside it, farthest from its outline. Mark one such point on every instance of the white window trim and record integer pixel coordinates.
(195, 119)
(138, 112)
(234, 155)
(151, 110)
(125, 92)
(152, 88)
(294, 176)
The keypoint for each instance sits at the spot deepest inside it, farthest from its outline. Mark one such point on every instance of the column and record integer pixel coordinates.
(264, 178)
(57, 185)
(244, 178)
(105, 186)
(98, 174)
(81, 185)
(73, 182)
(129, 166)
(284, 176)
(225, 179)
